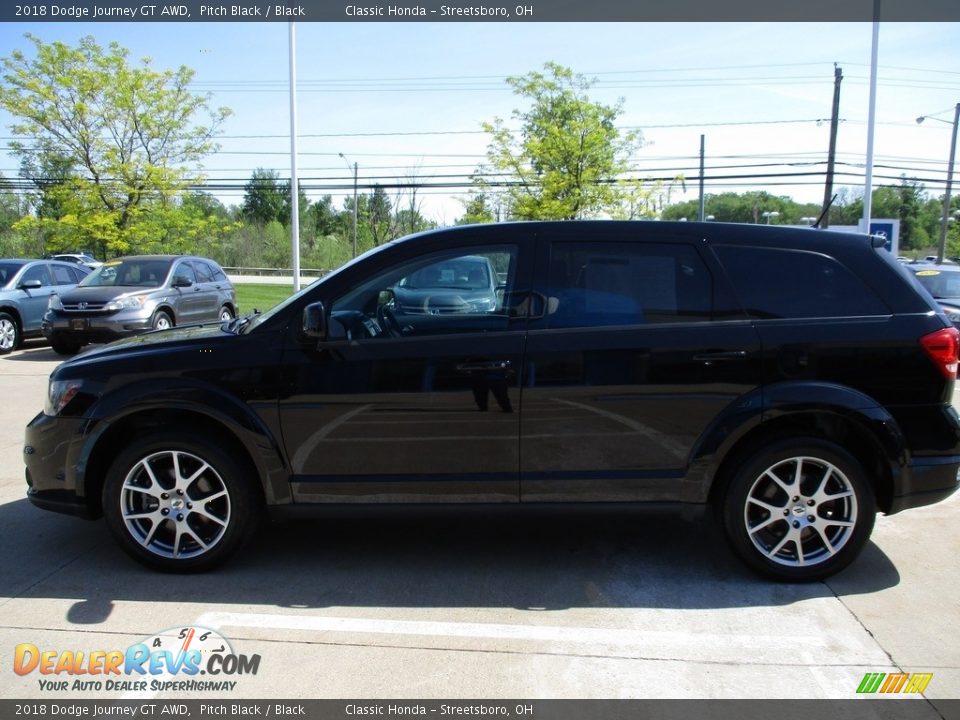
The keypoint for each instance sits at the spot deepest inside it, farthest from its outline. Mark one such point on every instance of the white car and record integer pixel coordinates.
(79, 259)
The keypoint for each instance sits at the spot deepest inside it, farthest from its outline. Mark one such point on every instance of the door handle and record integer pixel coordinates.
(720, 356)
(485, 365)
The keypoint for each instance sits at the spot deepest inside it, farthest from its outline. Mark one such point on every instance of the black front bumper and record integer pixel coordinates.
(54, 456)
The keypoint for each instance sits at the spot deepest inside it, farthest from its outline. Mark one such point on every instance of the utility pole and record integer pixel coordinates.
(871, 120)
(832, 153)
(700, 211)
(294, 178)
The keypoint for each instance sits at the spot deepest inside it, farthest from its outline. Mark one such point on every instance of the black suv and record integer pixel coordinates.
(797, 381)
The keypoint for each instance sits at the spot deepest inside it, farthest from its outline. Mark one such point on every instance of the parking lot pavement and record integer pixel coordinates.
(630, 607)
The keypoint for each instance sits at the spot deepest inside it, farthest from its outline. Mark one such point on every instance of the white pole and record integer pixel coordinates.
(294, 179)
(871, 119)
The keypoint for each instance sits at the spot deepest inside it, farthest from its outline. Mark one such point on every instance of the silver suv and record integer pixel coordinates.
(132, 295)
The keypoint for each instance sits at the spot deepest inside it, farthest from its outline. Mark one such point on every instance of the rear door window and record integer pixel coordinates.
(775, 283)
(627, 283)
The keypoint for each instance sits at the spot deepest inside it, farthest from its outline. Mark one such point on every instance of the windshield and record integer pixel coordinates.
(7, 271)
(465, 273)
(940, 284)
(147, 273)
(263, 317)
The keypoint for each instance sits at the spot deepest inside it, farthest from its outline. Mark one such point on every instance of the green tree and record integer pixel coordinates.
(568, 154)
(744, 208)
(130, 136)
(379, 216)
(265, 198)
(477, 210)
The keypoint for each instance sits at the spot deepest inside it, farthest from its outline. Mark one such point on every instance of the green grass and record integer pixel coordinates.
(262, 297)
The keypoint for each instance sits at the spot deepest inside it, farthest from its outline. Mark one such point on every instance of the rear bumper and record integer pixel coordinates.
(930, 480)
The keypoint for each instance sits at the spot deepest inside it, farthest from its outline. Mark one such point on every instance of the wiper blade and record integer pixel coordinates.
(237, 324)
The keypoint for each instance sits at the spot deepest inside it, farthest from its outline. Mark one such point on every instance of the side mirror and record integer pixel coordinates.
(182, 282)
(314, 322)
(31, 285)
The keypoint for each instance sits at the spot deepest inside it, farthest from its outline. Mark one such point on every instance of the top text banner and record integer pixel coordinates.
(492, 11)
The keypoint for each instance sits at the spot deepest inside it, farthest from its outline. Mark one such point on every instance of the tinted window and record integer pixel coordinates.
(185, 270)
(204, 273)
(454, 291)
(7, 271)
(37, 272)
(773, 283)
(627, 284)
(62, 275)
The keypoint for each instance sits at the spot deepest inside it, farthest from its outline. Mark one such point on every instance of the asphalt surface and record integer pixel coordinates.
(557, 608)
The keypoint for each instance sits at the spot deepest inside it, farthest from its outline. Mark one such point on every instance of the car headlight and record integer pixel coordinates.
(59, 393)
(54, 303)
(482, 305)
(128, 302)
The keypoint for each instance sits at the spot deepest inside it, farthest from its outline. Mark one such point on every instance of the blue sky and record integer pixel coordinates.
(757, 92)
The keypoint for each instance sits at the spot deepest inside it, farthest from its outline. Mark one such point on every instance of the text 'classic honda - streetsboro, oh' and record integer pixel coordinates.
(796, 381)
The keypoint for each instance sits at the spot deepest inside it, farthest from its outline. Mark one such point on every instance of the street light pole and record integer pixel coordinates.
(945, 220)
(355, 167)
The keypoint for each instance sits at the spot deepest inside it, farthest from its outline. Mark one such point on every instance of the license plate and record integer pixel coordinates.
(78, 324)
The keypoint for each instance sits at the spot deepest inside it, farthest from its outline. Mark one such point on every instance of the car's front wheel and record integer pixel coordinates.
(799, 510)
(176, 503)
(9, 333)
(162, 320)
(65, 347)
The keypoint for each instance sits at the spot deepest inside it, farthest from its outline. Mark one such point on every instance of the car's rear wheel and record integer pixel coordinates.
(799, 510)
(162, 320)
(226, 314)
(176, 503)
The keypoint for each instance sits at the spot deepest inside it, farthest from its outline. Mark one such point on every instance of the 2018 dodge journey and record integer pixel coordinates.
(796, 381)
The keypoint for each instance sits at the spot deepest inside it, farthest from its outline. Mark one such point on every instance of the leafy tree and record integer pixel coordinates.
(129, 137)
(285, 215)
(568, 153)
(744, 208)
(379, 217)
(324, 219)
(10, 208)
(264, 199)
(477, 210)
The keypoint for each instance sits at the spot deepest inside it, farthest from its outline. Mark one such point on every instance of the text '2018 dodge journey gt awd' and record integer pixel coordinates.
(798, 381)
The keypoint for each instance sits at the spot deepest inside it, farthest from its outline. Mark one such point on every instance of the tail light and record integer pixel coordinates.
(943, 347)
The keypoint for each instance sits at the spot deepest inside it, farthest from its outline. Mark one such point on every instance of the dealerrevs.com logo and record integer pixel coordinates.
(890, 683)
(187, 659)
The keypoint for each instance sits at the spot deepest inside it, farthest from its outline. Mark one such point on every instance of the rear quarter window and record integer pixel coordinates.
(778, 283)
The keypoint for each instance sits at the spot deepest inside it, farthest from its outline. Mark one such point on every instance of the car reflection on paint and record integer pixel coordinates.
(458, 285)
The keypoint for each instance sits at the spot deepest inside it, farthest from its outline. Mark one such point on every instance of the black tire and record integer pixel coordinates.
(161, 320)
(65, 347)
(170, 521)
(799, 534)
(226, 314)
(11, 337)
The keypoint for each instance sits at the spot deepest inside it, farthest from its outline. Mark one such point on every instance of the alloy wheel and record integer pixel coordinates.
(175, 504)
(800, 511)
